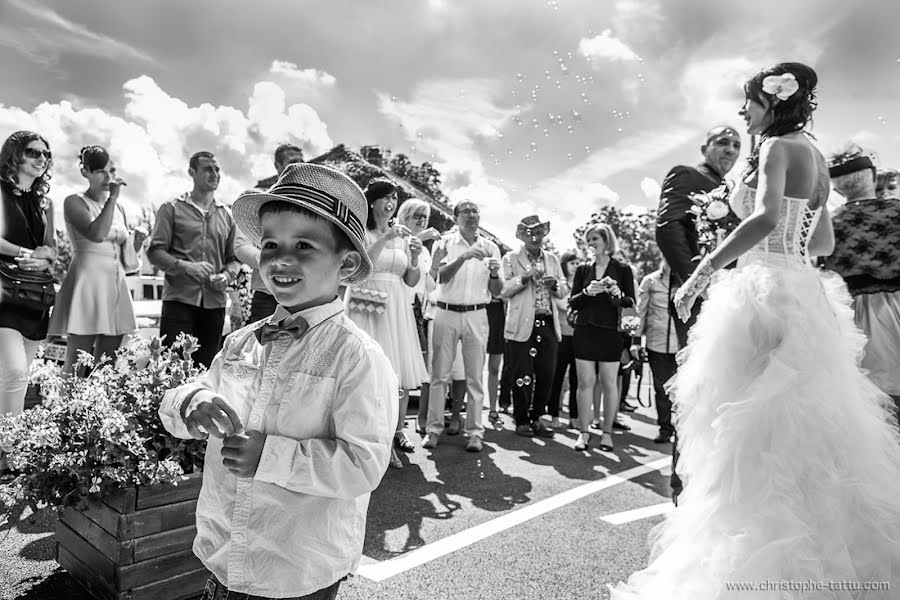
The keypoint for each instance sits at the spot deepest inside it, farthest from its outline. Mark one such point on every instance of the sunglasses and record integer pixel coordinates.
(35, 153)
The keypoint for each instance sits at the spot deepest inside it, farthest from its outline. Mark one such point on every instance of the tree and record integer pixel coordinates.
(636, 234)
(401, 165)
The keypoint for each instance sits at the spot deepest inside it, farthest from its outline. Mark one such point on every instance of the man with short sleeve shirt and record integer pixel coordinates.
(193, 243)
(469, 277)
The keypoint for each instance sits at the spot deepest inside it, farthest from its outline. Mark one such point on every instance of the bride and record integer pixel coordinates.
(791, 457)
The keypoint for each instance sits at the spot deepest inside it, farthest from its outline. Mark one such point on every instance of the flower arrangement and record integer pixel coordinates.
(713, 216)
(630, 324)
(98, 433)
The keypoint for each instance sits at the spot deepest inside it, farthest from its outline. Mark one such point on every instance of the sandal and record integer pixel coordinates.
(401, 442)
(603, 445)
(494, 418)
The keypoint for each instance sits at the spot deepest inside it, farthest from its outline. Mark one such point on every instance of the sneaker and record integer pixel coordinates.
(453, 428)
(662, 438)
(431, 441)
(542, 430)
(401, 442)
(474, 444)
(555, 423)
(525, 431)
(583, 440)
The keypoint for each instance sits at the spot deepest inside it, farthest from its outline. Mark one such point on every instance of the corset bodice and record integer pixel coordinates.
(787, 244)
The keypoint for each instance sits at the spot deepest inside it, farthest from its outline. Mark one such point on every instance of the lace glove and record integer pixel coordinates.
(693, 287)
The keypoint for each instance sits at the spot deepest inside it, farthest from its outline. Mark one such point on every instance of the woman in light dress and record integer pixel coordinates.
(382, 306)
(93, 309)
(790, 456)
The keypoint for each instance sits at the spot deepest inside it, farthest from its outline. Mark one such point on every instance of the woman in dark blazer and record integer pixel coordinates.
(598, 290)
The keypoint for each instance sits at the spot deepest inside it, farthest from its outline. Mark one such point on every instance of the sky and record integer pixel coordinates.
(554, 107)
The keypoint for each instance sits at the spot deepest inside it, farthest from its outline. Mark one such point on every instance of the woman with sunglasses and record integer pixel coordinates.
(27, 239)
(93, 309)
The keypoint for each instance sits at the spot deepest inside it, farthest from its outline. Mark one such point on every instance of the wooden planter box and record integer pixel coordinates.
(135, 544)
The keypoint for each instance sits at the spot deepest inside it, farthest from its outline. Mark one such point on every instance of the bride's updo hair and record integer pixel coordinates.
(793, 113)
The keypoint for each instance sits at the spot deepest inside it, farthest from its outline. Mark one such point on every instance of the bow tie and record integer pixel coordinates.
(270, 332)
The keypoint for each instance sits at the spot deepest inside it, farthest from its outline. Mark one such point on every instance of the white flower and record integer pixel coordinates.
(717, 210)
(781, 86)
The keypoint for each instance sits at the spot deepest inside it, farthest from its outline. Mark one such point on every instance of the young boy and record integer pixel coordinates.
(301, 407)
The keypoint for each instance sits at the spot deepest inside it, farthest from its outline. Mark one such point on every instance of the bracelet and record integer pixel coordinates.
(24, 252)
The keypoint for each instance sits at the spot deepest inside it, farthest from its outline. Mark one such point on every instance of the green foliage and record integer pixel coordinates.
(97, 433)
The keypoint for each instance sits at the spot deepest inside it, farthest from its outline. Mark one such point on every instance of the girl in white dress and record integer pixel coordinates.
(790, 456)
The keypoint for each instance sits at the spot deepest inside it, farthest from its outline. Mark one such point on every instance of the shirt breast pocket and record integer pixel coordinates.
(305, 408)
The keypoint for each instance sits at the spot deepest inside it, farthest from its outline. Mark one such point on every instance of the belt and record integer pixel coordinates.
(460, 307)
(214, 590)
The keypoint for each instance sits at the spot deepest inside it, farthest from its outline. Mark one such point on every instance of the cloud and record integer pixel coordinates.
(54, 36)
(651, 188)
(156, 134)
(606, 47)
(309, 77)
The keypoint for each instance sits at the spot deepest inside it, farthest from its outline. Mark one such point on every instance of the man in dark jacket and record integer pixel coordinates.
(676, 231)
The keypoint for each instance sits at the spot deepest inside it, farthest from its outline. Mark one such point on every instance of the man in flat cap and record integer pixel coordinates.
(676, 231)
(867, 255)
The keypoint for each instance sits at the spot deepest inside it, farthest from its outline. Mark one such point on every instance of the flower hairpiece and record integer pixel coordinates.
(781, 86)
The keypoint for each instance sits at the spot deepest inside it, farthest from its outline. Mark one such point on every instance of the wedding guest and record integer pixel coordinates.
(93, 309)
(660, 342)
(382, 308)
(28, 241)
(193, 243)
(598, 289)
(867, 255)
(300, 407)
(565, 355)
(469, 278)
(414, 214)
(262, 303)
(533, 281)
(888, 185)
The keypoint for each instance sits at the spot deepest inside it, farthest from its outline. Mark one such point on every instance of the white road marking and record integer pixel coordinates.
(638, 513)
(379, 571)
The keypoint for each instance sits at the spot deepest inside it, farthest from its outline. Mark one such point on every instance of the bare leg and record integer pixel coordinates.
(404, 405)
(608, 384)
(585, 393)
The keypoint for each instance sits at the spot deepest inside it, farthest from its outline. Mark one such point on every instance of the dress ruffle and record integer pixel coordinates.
(790, 456)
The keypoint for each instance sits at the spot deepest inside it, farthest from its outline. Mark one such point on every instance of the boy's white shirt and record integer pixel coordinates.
(328, 404)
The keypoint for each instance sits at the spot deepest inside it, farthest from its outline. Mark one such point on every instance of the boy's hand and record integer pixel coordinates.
(214, 416)
(241, 452)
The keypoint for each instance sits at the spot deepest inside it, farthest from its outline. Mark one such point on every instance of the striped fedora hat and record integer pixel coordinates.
(321, 190)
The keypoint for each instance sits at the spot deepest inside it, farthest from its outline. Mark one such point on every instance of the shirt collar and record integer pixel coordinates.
(458, 238)
(312, 315)
(186, 198)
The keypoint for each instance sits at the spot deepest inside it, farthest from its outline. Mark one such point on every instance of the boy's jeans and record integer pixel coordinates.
(216, 591)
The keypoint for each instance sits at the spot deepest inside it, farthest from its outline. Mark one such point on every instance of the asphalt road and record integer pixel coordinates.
(564, 550)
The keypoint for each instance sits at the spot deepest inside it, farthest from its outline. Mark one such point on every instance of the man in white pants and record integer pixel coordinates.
(469, 277)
